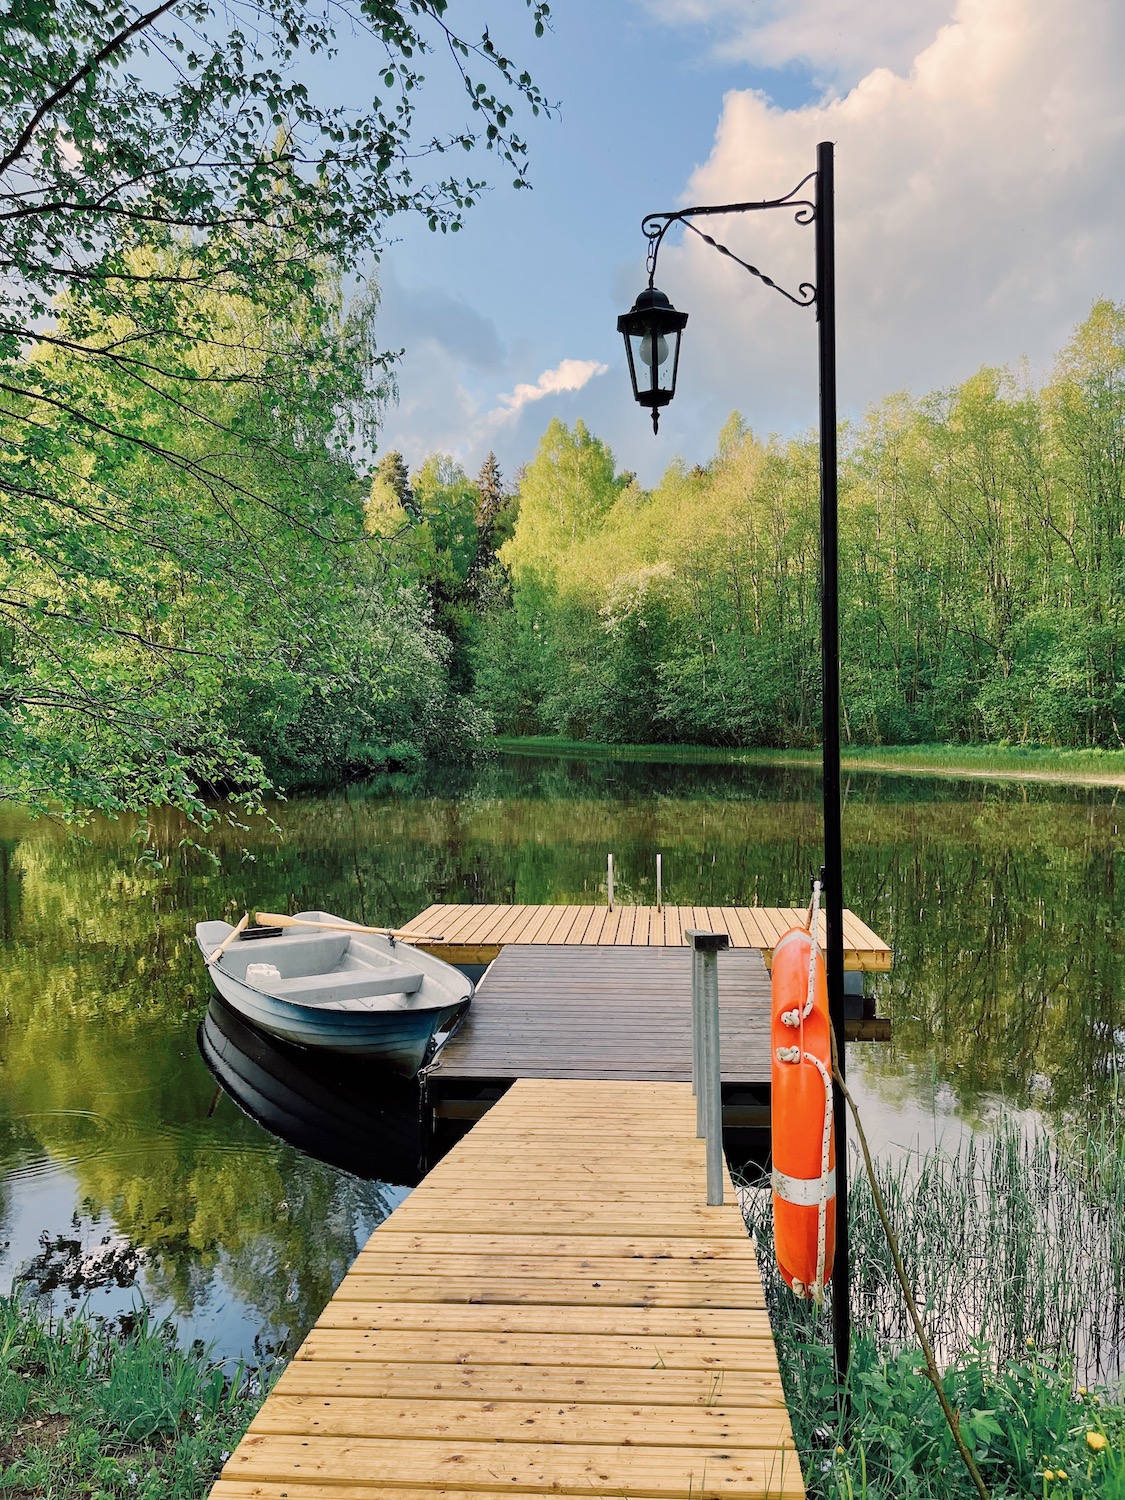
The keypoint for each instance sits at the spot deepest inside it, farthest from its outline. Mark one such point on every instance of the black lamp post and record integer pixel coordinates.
(652, 337)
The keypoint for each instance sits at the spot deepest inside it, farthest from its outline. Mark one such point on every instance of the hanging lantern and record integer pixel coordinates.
(652, 330)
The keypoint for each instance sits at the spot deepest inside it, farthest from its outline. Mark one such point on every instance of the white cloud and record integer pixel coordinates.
(570, 375)
(978, 213)
(839, 40)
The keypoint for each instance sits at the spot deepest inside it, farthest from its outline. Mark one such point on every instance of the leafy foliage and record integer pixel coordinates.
(982, 576)
(183, 571)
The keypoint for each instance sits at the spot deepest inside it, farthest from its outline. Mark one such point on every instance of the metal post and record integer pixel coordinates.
(706, 947)
(609, 882)
(659, 892)
(830, 710)
(714, 1079)
(698, 1082)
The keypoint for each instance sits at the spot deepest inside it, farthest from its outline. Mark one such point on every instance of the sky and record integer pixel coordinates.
(980, 147)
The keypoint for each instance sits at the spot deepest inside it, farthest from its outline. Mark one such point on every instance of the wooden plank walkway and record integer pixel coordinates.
(476, 934)
(554, 1311)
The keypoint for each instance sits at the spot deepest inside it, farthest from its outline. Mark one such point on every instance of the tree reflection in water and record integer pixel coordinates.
(1000, 901)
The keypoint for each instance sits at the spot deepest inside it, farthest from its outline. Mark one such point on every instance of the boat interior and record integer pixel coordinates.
(336, 970)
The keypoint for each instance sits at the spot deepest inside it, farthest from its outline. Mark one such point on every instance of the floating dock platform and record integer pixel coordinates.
(555, 1311)
(476, 934)
(585, 992)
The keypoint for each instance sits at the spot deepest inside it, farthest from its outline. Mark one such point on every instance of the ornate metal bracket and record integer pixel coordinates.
(655, 226)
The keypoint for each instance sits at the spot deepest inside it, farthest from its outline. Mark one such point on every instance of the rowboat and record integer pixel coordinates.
(331, 985)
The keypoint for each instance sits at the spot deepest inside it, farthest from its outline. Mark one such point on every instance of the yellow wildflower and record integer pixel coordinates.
(1096, 1441)
(1048, 1475)
(1061, 1473)
(839, 1450)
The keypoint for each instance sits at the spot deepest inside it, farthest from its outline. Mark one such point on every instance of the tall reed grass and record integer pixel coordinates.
(1014, 1243)
(1012, 1236)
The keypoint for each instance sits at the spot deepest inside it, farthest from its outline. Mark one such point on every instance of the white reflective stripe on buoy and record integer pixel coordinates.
(791, 937)
(805, 1192)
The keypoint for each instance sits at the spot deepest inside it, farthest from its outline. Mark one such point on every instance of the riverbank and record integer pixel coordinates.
(93, 1409)
(990, 762)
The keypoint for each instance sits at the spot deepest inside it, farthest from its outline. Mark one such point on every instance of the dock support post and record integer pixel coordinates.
(659, 892)
(706, 947)
(609, 881)
(698, 1082)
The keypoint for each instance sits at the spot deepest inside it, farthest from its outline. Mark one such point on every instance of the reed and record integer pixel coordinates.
(1015, 1245)
(1011, 1236)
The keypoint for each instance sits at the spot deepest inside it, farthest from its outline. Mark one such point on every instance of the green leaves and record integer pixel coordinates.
(181, 394)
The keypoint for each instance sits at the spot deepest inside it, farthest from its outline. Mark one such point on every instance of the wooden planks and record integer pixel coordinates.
(565, 1011)
(525, 1324)
(476, 934)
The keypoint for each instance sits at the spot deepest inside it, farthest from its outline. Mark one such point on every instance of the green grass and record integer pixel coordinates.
(90, 1410)
(1035, 761)
(1016, 1250)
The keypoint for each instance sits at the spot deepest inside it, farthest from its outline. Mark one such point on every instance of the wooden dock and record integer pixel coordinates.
(554, 1311)
(609, 1013)
(476, 934)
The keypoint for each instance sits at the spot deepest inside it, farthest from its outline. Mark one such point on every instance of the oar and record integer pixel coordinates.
(217, 953)
(272, 919)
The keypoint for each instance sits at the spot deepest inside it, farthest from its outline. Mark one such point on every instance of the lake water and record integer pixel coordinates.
(126, 1173)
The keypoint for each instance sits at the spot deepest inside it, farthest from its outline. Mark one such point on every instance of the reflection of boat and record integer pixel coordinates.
(354, 992)
(341, 1110)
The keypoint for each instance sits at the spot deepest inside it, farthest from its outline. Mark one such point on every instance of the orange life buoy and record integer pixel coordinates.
(804, 1192)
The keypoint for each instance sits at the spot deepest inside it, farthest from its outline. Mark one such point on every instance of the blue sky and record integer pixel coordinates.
(978, 142)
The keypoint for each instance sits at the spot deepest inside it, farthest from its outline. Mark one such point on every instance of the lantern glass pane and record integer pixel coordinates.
(640, 347)
(654, 359)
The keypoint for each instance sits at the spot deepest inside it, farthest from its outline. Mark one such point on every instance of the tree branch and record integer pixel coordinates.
(114, 44)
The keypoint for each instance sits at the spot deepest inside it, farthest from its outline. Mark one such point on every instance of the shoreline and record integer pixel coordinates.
(961, 766)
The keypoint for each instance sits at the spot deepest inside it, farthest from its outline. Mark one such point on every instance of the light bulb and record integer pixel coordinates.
(646, 349)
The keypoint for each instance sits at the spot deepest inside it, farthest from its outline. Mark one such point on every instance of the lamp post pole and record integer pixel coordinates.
(830, 720)
(652, 333)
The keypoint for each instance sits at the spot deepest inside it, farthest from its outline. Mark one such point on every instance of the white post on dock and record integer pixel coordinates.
(609, 882)
(659, 894)
(707, 1073)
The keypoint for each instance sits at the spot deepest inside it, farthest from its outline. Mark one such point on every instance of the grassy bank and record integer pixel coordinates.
(1098, 767)
(1016, 1252)
(88, 1410)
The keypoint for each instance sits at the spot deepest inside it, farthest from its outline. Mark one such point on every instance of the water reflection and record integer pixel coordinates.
(1002, 903)
(339, 1110)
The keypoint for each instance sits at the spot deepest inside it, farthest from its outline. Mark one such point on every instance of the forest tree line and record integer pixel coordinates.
(982, 576)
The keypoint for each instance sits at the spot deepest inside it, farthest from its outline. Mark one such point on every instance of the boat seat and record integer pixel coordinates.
(327, 989)
(303, 952)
